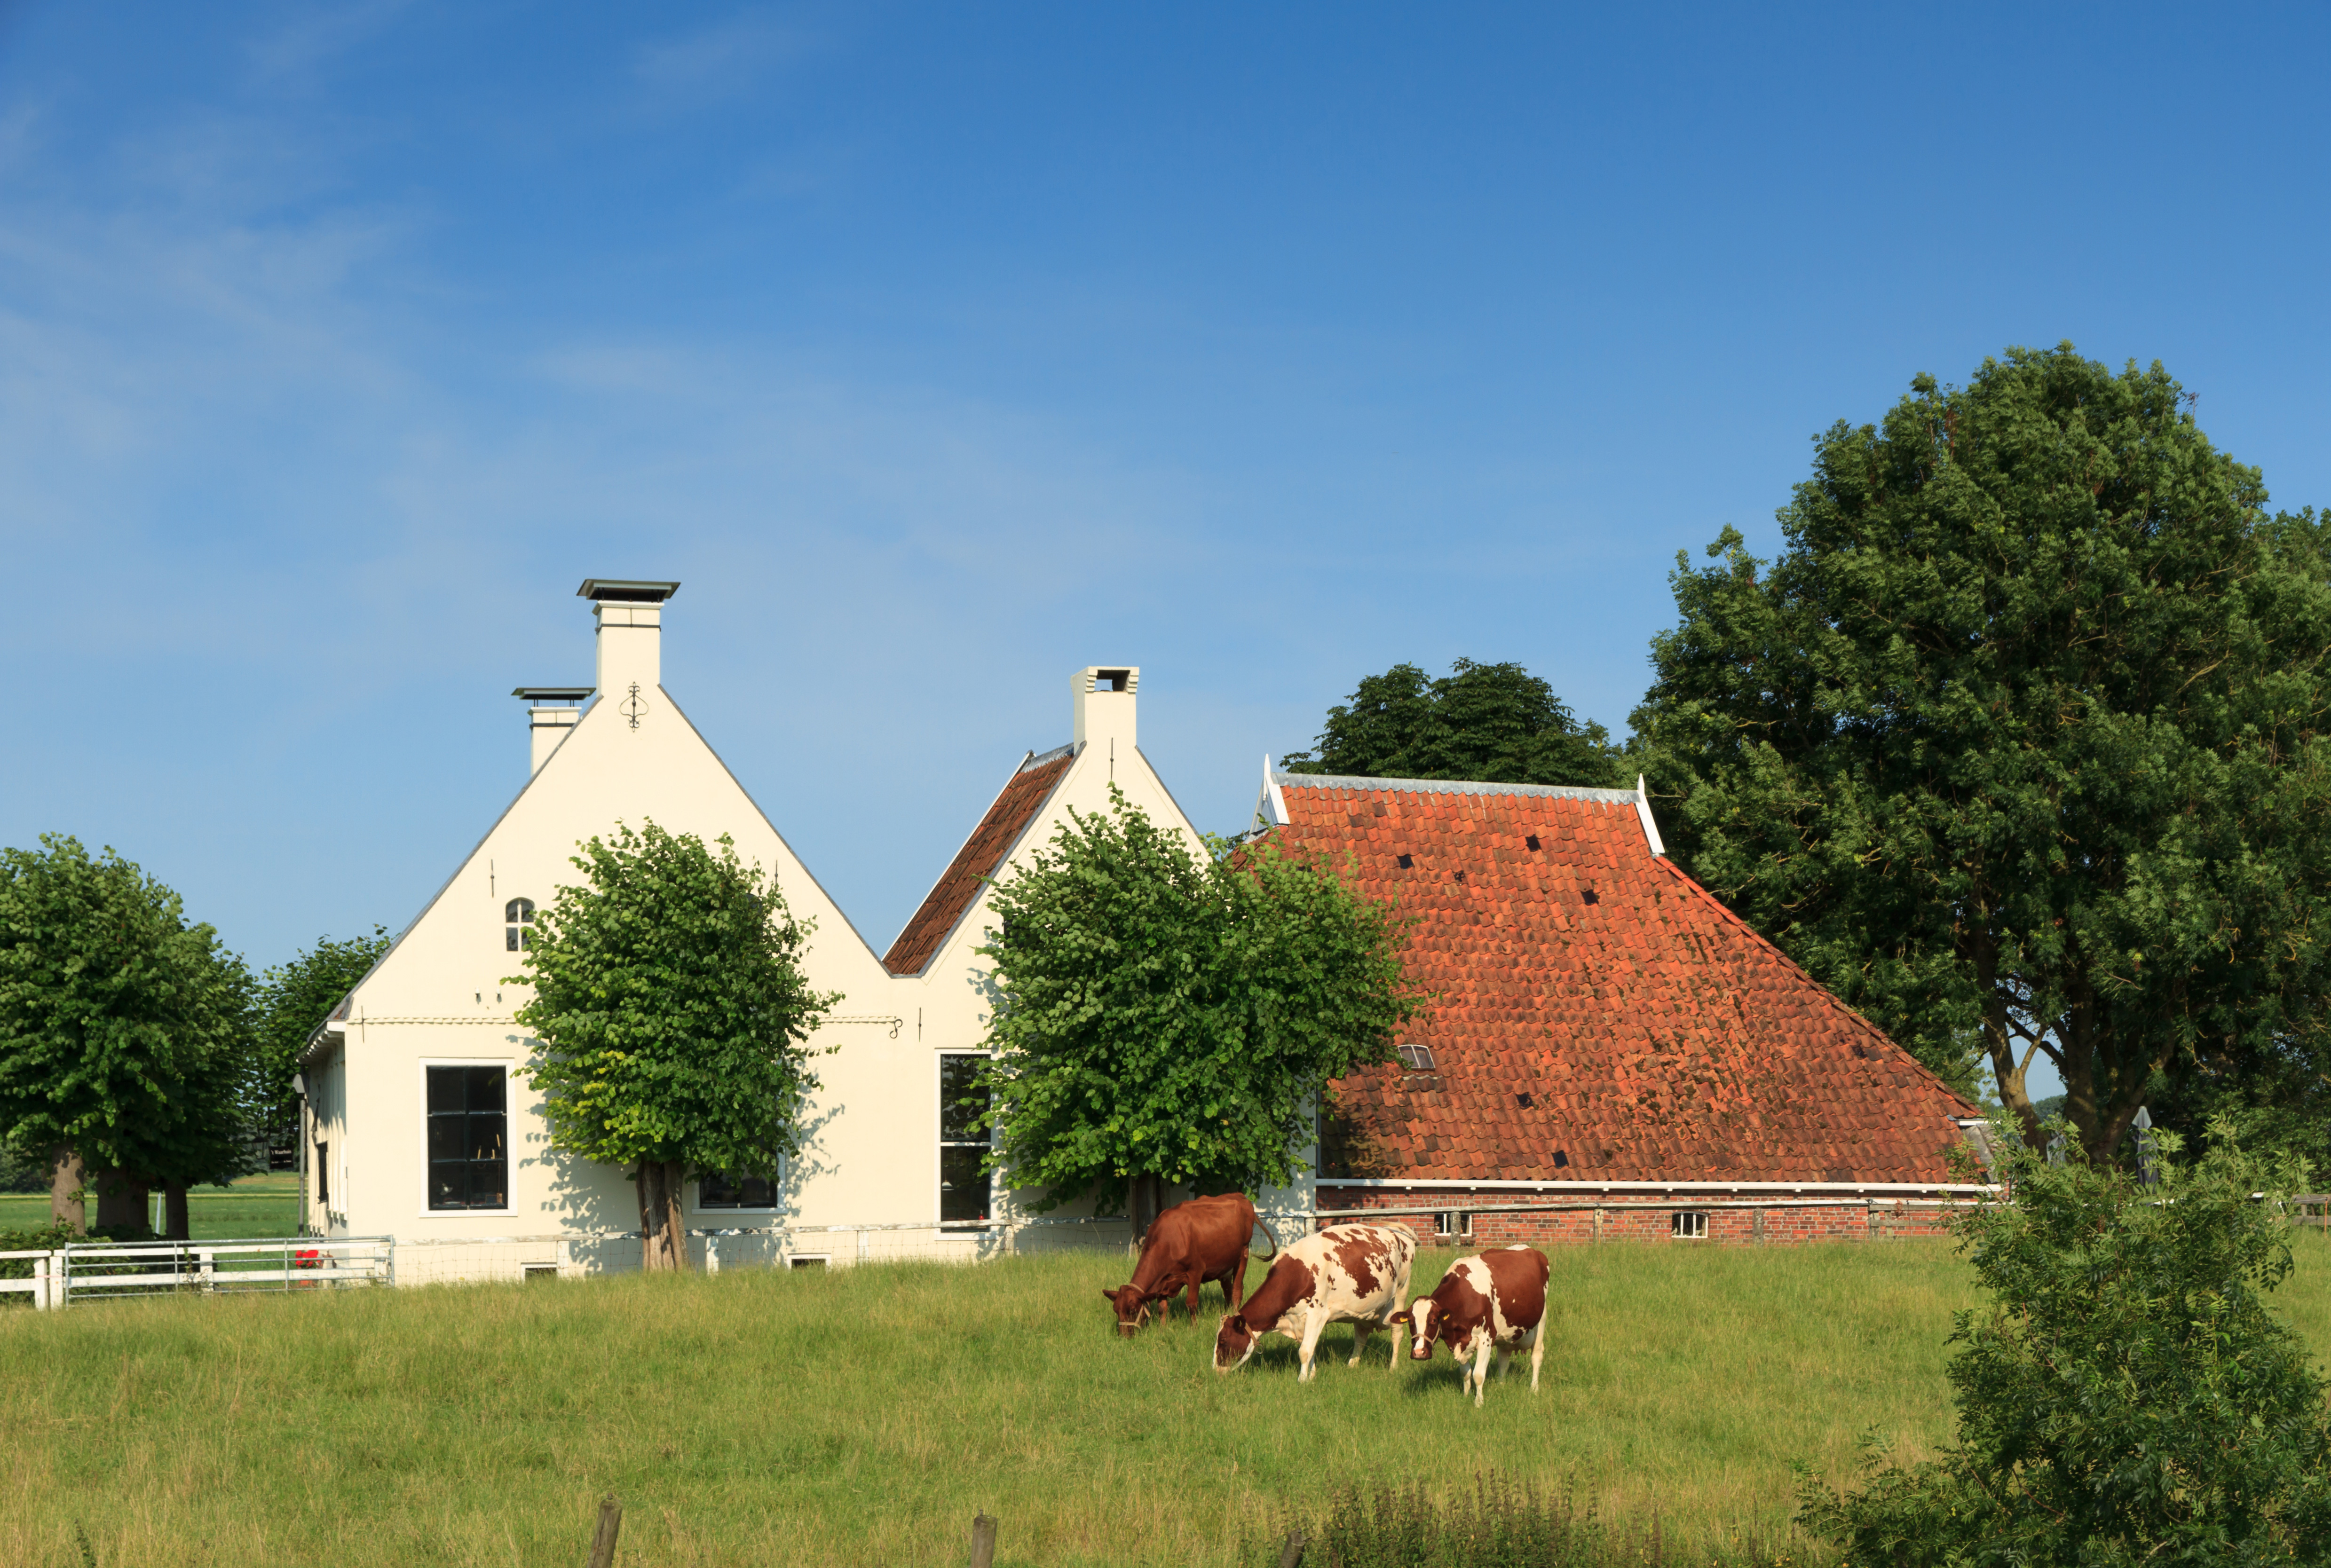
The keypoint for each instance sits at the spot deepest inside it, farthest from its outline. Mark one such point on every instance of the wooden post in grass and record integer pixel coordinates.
(1291, 1555)
(983, 1542)
(602, 1540)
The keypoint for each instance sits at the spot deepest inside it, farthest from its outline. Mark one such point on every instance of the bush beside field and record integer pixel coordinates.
(863, 1416)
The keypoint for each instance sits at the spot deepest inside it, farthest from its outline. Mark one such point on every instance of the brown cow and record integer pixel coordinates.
(1489, 1301)
(1355, 1274)
(1190, 1243)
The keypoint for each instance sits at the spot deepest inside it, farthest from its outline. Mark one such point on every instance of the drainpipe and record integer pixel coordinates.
(299, 1154)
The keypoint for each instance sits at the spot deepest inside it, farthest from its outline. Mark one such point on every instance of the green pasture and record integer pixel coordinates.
(252, 1208)
(862, 1416)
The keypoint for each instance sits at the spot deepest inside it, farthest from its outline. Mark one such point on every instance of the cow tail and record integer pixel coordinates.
(1263, 1225)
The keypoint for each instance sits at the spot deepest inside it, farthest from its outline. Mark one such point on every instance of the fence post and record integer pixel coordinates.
(40, 1283)
(983, 1542)
(603, 1539)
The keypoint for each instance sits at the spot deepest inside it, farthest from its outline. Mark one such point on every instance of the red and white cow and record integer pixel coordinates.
(1355, 1274)
(1489, 1301)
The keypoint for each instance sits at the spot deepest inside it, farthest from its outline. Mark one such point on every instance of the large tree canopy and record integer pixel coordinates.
(671, 1018)
(1497, 723)
(2019, 744)
(1164, 1015)
(124, 1033)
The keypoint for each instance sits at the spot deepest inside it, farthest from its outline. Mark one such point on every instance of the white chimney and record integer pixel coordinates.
(550, 713)
(631, 626)
(1102, 697)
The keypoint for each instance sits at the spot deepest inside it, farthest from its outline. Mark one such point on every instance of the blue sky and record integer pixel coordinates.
(939, 351)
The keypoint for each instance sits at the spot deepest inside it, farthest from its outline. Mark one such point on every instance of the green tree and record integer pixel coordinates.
(672, 1020)
(1495, 723)
(2018, 746)
(2125, 1396)
(294, 1001)
(1167, 1016)
(124, 1034)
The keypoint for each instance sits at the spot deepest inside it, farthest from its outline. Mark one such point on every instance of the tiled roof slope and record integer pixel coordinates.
(1023, 795)
(1656, 1036)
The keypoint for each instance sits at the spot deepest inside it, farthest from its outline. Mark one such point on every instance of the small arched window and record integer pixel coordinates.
(519, 923)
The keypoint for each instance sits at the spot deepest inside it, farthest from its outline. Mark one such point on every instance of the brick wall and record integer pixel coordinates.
(1497, 1220)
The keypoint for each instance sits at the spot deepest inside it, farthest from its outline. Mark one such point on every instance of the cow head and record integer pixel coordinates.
(1423, 1317)
(1234, 1343)
(1132, 1307)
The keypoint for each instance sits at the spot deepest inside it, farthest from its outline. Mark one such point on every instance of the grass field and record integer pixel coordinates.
(252, 1208)
(862, 1417)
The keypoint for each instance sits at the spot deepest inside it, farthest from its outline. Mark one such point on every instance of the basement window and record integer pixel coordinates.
(1687, 1225)
(517, 923)
(1416, 1058)
(807, 1261)
(1453, 1223)
(534, 1271)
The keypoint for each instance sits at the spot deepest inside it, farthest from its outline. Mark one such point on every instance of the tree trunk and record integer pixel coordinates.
(122, 1200)
(175, 1225)
(65, 1184)
(1142, 1202)
(664, 1247)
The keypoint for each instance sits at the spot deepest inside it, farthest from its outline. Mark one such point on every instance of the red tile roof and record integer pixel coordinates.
(981, 857)
(1653, 1035)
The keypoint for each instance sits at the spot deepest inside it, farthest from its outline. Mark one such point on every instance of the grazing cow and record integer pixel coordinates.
(1190, 1243)
(1355, 1274)
(1489, 1301)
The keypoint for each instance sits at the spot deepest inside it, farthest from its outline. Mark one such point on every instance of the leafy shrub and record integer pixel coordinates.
(1501, 1524)
(2125, 1397)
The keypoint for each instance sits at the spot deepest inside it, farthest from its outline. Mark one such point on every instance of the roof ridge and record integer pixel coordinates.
(1286, 780)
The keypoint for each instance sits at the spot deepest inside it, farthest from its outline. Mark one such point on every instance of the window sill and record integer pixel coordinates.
(468, 1213)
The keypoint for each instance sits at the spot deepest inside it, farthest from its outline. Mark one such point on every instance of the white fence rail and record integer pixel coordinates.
(100, 1270)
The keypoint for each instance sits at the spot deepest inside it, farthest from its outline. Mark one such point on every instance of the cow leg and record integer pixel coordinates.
(1360, 1328)
(1312, 1324)
(1195, 1284)
(1481, 1371)
(1537, 1354)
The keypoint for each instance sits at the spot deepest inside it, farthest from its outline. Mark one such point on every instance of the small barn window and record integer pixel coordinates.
(517, 923)
(1452, 1223)
(534, 1271)
(323, 1174)
(1416, 1058)
(1687, 1225)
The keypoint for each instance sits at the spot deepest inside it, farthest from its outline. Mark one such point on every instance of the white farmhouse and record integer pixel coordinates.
(419, 1124)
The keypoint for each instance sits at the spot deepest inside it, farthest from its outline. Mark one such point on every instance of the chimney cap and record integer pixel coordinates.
(553, 693)
(616, 590)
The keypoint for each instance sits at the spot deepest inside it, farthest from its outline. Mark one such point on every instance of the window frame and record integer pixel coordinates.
(518, 924)
(940, 1145)
(1687, 1224)
(509, 1140)
(696, 1204)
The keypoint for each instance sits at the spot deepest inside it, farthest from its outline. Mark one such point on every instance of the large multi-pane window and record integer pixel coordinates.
(728, 1192)
(469, 1147)
(964, 1186)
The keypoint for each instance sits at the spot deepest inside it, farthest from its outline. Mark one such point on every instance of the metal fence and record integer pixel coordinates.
(95, 1270)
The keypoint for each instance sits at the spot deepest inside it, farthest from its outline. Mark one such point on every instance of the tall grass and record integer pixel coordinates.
(863, 1416)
